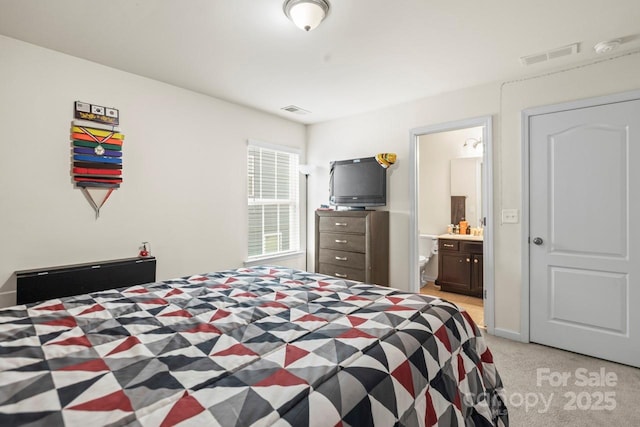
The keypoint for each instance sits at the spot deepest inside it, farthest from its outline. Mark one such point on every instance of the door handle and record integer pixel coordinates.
(537, 241)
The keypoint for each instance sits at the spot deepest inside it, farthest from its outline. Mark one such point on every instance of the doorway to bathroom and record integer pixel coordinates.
(450, 185)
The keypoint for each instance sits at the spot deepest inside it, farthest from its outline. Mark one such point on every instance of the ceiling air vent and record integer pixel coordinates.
(572, 49)
(294, 109)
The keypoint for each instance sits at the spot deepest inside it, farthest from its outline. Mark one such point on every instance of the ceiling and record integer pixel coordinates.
(367, 54)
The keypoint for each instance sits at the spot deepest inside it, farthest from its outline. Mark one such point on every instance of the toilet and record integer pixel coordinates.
(427, 247)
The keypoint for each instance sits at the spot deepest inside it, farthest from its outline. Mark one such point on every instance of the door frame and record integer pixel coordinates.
(525, 306)
(487, 206)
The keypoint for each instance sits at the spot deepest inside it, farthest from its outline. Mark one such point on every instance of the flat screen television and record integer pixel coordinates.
(357, 183)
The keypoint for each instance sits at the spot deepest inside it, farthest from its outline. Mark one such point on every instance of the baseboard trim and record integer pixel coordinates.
(508, 334)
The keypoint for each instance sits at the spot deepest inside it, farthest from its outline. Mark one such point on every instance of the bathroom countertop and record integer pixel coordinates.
(461, 237)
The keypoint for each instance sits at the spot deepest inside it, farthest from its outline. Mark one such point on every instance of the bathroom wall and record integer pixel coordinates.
(435, 152)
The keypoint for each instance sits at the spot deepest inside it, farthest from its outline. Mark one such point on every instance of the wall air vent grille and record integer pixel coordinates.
(551, 54)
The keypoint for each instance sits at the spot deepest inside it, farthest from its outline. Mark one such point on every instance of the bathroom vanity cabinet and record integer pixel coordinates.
(353, 245)
(460, 266)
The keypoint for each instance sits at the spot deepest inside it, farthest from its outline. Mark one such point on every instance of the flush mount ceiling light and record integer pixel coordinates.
(306, 14)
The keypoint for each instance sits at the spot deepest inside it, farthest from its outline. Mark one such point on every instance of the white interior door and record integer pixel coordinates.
(584, 189)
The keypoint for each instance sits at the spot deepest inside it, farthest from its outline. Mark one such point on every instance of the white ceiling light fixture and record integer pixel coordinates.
(306, 14)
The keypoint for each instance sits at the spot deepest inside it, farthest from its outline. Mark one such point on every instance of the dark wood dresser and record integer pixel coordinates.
(460, 266)
(353, 245)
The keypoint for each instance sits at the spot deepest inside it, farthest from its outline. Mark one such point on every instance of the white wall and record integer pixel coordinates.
(388, 130)
(184, 169)
(184, 173)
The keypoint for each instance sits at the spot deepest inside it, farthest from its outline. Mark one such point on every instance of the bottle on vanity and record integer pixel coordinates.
(463, 226)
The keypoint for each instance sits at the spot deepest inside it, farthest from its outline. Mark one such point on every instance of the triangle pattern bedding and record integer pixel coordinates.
(247, 347)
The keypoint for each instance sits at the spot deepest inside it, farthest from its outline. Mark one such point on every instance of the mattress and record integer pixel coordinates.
(247, 347)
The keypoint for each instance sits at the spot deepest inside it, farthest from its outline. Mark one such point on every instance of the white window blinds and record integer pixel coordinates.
(273, 203)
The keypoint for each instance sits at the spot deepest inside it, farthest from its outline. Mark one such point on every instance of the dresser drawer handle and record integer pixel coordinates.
(341, 258)
(446, 245)
(341, 224)
(341, 241)
(341, 275)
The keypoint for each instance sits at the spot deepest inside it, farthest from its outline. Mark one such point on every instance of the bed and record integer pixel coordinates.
(247, 347)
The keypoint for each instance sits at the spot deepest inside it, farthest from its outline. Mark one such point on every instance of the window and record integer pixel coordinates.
(272, 179)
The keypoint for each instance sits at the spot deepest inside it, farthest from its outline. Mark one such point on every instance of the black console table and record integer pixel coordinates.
(67, 280)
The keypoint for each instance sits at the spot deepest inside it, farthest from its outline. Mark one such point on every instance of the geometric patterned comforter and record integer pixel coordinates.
(246, 347)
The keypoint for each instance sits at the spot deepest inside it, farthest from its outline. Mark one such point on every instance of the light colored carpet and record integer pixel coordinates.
(536, 394)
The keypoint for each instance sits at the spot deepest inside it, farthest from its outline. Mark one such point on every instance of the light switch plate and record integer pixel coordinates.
(510, 216)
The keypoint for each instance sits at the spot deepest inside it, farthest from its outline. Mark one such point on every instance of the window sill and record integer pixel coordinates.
(270, 258)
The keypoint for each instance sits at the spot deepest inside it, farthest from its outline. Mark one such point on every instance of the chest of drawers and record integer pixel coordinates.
(353, 245)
